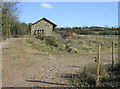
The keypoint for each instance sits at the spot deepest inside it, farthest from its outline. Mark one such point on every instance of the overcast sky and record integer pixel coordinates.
(69, 14)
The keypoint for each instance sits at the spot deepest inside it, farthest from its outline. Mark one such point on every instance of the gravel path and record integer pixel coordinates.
(2, 45)
(0, 65)
(24, 66)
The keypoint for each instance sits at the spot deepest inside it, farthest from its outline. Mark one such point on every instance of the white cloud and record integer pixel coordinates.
(46, 5)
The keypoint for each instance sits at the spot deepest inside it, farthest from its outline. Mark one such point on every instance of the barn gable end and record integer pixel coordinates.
(42, 26)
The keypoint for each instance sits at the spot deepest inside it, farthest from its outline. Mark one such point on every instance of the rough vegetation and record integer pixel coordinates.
(84, 44)
(46, 61)
(109, 76)
(87, 44)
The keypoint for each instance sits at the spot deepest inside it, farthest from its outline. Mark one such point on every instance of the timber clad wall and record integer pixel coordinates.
(43, 27)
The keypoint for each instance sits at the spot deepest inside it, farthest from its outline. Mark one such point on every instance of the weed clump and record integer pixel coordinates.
(67, 47)
(40, 37)
(49, 40)
(87, 78)
(109, 76)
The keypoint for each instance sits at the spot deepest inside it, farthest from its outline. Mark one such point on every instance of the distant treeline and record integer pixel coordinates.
(90, 30)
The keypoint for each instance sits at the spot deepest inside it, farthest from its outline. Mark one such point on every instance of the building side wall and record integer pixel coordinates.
(43, 25)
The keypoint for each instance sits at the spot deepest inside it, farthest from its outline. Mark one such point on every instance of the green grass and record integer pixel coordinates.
(46, 48)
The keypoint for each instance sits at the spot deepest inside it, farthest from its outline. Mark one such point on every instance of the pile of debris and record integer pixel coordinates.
(70, 34)
(75, 35)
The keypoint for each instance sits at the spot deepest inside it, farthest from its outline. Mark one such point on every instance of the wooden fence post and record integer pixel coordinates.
(9, 34)
(113, 54)
(98, 65)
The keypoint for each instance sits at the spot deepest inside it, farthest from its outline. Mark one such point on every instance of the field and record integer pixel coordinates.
(29, 62)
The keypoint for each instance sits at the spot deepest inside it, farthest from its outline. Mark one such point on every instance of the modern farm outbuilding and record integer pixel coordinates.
(43, 27)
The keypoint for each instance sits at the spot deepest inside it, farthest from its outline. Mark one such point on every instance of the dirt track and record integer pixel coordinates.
(24, 66)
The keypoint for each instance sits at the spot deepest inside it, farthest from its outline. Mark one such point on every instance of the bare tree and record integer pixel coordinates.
(9, 15)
